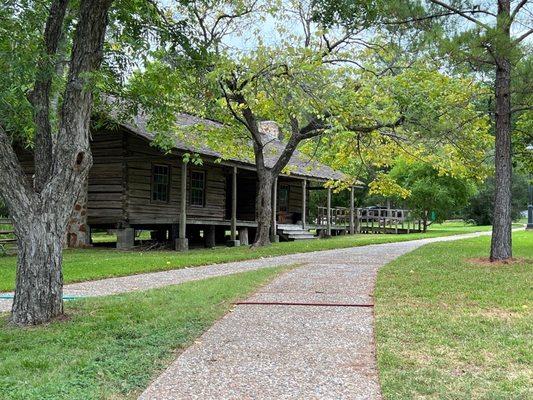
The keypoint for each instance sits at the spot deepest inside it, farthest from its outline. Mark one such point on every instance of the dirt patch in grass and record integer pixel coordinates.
(486, 262)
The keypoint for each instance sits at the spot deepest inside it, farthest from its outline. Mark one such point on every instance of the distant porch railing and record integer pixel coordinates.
(7, 237)
(387, 220)
(340, 216)
(370, 220)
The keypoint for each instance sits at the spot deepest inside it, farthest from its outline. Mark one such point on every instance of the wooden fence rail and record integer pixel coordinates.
(7, 237)
(340, 216)
(371, 220)
(378, 220)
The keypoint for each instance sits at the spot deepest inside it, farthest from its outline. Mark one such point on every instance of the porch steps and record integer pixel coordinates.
(294, 232)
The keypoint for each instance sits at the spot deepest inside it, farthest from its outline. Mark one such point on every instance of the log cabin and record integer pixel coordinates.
(134, 185)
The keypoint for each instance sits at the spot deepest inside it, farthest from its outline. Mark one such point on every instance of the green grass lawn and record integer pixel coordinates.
(104, 237)
(112, 347)
(98, 263)
(459, 226)
(447, 328)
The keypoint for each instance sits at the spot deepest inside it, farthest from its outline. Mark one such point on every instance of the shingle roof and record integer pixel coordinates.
(299, 164)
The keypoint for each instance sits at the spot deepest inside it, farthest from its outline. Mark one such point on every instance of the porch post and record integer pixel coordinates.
(304, 202)
(234, 242)
(328, 215)
(243, 236)
(210, 236)
(274, 225)
(352, 211)
(182, 243)
(125, 238)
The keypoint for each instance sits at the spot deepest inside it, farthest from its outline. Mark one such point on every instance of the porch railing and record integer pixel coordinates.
(371, 219)
(340, 216)
(388, 220)
(7, 236)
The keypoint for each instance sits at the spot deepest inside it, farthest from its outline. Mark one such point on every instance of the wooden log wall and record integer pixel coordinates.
(106, 183)
(106, 187)
(119, 189)
(140, 209)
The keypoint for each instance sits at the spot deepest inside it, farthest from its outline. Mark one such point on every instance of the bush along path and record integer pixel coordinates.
(309, 334)
(110, 286)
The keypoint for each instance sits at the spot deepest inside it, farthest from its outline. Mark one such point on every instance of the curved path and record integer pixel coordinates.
(307, 335)
(152, 280)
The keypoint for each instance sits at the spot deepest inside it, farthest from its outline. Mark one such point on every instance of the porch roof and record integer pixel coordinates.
(300, 164)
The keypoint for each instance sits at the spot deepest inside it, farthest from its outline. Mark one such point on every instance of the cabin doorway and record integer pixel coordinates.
(283, 215)
(246, 192)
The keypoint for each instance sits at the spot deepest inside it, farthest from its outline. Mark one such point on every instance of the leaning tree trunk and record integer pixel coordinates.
(263, 208)
(41, 216)
(501, 245)
(39, 283)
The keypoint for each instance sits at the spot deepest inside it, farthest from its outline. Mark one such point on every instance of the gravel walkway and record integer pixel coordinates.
(287, 351)
(105, 287)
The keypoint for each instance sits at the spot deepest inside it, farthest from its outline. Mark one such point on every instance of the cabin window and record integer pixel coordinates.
(198, 188)
(160, 183)
(283, 198)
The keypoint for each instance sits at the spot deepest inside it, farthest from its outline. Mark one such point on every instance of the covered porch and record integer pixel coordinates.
(290, 211)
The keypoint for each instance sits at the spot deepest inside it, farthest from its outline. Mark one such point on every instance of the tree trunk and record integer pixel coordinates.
(41, 216)
(39, 283)
(501, 244)
(263, 207)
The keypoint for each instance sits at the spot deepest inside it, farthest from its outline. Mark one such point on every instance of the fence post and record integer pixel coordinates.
(352, 222)
(304, 202)
(328, 222)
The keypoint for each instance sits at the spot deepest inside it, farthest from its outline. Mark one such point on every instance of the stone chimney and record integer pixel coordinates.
(78, 233)
(270, 130)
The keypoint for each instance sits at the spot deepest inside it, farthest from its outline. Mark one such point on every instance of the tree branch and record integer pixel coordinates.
(368, 129)
(72, 152)
(232, 111)
(286, 154)
(16, 189)
(461, 13)
(173, 28)
(244, 12)
(40, 96)
(438, 15)
(523, 36)
(250, 122)
(517, 9)
(521, 108)
(314, 128)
